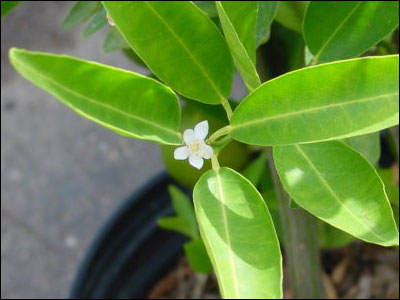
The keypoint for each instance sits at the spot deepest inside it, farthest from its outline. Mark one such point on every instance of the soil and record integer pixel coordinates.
(358, 271)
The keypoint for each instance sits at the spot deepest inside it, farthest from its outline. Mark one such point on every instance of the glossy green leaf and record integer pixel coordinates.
(369, 145)
(291, 13)
(238, 21)
(114, 41)
(208, 7)
(197, 256)
(98, 22)
(256, 169)
(128, 103)
(391, 188)
(177, 224)
(324, 102)
(239, 236)
(336, 30)
(194, 60)
(7, 7)
(81, 12)
(337, 185)
(265, 15)
(331, 237)
(184, 208)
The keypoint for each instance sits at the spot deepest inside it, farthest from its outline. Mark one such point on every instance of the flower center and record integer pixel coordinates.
(194, 147)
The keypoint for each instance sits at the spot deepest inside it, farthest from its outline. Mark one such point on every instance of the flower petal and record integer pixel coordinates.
(196, 161)
(201, 130)
(181, 153)
(207, 152)
(188, 136)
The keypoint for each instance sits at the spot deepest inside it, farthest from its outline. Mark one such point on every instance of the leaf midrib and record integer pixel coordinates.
(336, 197)
(336, 31)
(226, 232)
(311, 110)
(134, 117)
(188, 52)
(250, 69)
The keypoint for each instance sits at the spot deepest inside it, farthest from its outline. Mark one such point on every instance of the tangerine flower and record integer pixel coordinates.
(195, 147)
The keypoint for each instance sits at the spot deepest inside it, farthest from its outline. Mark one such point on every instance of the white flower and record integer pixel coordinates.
(196, 149)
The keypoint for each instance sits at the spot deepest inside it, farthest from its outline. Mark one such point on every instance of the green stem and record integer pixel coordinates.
(220, 132)
(214, 162)
(227, 107)
(301, 244)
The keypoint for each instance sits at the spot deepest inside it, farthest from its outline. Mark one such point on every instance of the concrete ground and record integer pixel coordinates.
(61, 175)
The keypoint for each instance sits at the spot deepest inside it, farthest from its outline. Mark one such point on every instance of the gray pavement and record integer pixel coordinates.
(61, 175)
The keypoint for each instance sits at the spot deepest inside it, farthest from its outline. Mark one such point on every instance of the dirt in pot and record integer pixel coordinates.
(358, 271)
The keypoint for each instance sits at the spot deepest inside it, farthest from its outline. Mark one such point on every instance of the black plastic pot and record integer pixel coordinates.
(131, 253)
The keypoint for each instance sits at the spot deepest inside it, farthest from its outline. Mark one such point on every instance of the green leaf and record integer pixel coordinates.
(291, 13)
(128, 103)
(208, 7)
(391, 188)
(176, 224)
(256, 169)
(324, 102)
(238, 21)
(197, 256)
(184, 209)
(331, 237)
(239, 236)
(265, 15)
(368, 145)
(336, 30)
(183, 47)
(81, 12)
(98, 21)
(293, 204)
(7, 7)
(337, 185)
(114, 41)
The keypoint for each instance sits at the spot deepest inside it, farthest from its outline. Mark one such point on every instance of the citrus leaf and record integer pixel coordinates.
(176, 224)
(7, 7)
(325, 102)
(369, 145)
(337, 185)
(291, 13)
(238, 21)
(184, 209)
(182, 46)
(114, 41)
(197, 256)
(123, 101)
(336, 30)
(265, 15)
(239, 236)
(81, 12)
(98, 22)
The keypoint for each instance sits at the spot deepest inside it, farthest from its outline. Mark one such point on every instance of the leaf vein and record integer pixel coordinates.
(336, 31)
(334, 195)
(137, 118)
(189, 53)
(228, 240)
(311, 110)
